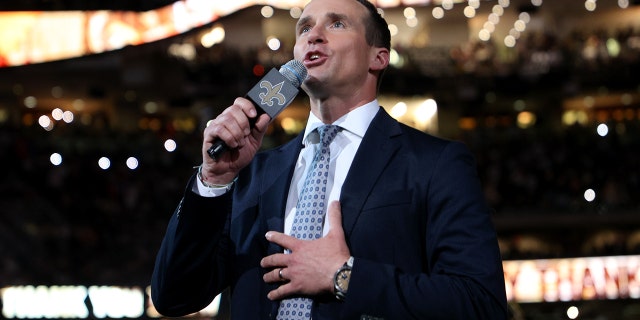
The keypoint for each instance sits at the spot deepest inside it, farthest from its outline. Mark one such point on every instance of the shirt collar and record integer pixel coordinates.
(357, 121)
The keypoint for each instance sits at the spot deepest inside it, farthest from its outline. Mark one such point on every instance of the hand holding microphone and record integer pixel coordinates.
(274, 92)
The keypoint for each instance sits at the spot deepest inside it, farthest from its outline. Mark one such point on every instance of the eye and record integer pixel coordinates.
(337, 24)
(304, 29)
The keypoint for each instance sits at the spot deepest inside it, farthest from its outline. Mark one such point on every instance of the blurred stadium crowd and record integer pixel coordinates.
(78, 224)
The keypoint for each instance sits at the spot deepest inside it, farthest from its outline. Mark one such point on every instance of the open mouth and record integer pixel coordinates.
(313, 56)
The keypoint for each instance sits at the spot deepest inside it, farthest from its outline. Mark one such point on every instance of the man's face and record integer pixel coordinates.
(330, 41)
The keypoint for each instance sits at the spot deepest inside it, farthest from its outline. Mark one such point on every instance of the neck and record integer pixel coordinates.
(330, 106)
(331, 109)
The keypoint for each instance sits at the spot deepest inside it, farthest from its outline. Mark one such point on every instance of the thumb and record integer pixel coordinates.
(262, 123)
(260, 128)
(335, 217)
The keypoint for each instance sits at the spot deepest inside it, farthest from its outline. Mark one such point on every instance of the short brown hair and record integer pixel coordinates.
(377, 28)
(377, 32)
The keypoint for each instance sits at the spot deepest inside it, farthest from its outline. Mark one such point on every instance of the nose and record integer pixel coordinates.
(316, 35)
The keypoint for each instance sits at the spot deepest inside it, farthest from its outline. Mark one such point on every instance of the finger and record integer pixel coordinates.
(276, 260)
(280, 292)
(224, 128)
(232, 126)
(275, 275)
(247, 107)
(234, 119)
(283, 240)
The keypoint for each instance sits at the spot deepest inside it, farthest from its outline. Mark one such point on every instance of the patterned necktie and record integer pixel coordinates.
(310, 214)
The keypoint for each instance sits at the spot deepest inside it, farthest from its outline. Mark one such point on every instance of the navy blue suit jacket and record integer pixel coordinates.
(414, 218)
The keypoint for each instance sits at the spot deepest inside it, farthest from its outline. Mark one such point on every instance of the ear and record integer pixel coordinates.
(379, 59)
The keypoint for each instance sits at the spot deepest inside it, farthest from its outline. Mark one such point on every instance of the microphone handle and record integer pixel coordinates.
(217, 149)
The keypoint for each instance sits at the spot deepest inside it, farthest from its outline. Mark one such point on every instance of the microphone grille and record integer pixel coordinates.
(294, 71)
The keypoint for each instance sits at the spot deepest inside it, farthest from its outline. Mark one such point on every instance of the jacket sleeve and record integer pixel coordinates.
(462, 276)
(190, 265)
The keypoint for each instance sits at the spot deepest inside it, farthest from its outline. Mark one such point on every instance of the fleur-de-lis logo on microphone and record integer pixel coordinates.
(273, 92)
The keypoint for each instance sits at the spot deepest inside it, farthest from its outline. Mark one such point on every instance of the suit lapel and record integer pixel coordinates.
(274, 188)
(278, 170)
(362, 176)
(375, 151)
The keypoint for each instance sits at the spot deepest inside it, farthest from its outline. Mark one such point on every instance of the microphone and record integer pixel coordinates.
(271, 95)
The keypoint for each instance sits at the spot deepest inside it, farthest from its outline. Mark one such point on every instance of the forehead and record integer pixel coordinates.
(318, 8)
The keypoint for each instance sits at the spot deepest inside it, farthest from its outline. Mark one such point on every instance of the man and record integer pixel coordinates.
(407, 234)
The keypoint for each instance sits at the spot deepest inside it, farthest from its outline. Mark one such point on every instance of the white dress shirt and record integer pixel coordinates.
(343, 149)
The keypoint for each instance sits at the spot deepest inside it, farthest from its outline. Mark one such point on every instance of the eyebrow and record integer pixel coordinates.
(302, 21)
(336, 16)
(331, 15)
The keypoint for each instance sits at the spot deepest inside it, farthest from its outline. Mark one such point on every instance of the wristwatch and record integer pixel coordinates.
(341, 280)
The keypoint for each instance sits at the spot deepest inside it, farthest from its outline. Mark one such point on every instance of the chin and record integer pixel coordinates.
(310, 83)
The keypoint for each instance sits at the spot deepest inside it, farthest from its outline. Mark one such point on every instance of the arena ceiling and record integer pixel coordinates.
(71, 5)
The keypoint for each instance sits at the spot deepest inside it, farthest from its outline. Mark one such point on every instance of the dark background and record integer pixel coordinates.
(79, 224)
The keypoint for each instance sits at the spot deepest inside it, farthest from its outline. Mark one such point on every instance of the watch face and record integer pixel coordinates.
(342, 279)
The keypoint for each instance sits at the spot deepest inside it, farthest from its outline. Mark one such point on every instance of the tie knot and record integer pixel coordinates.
(328, 133)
